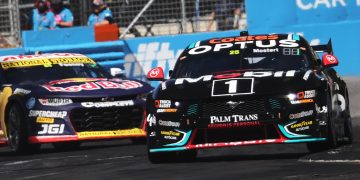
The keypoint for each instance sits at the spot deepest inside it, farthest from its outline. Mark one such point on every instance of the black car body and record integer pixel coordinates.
(65, 97)
(248, 90)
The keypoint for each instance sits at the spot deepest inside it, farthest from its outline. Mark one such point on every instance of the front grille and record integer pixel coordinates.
(223, 108)
(101, 99)
(101, 119)
(236, 134)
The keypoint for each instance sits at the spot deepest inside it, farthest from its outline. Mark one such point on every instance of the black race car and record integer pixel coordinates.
(66, 98)
(248, 90)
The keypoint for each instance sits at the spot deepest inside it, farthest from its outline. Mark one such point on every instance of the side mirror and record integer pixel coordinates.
(115, 72)
(329, 60)
(156, 74)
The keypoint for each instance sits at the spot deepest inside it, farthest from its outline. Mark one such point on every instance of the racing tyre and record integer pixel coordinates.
(17, 132)
(331, 139)
(67, 146)
(348, 124)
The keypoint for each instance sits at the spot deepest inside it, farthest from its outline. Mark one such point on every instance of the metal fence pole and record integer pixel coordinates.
(197, 15)
(136, 18)
(183, 20)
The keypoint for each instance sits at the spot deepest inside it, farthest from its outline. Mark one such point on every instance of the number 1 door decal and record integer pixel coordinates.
(234, 86)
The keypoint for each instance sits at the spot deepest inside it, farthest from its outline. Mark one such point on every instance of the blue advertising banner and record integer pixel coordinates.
(317, 21)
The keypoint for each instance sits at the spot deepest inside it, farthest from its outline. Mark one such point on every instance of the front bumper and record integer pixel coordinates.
(255, 121)
(80, 123)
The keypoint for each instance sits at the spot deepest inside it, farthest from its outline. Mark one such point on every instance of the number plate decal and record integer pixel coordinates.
(231, 87)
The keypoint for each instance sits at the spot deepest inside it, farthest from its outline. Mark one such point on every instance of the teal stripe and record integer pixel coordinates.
(282, 129)
(304, 140)
(183, 142)
(192, 45)
(296, 37)
(168, 149)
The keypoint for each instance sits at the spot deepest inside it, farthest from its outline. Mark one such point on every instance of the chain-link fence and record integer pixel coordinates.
(181, 16)
(9, 23)
(148, 17)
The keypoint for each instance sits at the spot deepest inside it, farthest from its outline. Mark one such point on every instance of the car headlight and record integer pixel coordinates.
(55, 101)
(291, 96)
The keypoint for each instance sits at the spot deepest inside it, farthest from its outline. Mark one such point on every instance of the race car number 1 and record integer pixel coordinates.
(230, 87)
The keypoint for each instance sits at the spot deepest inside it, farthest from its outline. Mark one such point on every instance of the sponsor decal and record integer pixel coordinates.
(152, 134)
(193, 80)
(42, 56)
(94, 134)
(51, 114)
(126, 84)
(232, 125)
(301, 114)
(30, 103)
(233, 118)
(290, 73)
(151, 120)
(267, 50)
(171, 135)
(277, 74)
(321, 110)
(230, 87)
(52, 129)
(303, 101)
(162, 103)
(243, 38)
(73, 80)
(169, 123)
(21, 91)
(242, 45)
(314, 4)
(108, 104)
(55, 102)
(306, 94)
(154, 73)
(302, 97)
(46, 62)
(45, 120)
(304, 125)
(166, 110)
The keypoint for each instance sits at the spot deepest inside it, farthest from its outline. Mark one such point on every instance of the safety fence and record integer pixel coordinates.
(160, 17)
(9, 23)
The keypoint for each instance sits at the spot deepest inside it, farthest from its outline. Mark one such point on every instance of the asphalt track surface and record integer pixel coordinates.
(122, 160)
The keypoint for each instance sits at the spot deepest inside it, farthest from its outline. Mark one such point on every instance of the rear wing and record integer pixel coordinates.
(324, 48)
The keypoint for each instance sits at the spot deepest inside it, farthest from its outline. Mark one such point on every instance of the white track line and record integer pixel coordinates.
(354, 161)
(38, 176)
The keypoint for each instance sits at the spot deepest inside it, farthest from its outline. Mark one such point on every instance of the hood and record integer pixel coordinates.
(85, 87)
(256, 83)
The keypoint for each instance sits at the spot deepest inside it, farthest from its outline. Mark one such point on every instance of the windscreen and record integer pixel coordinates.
(274, 55)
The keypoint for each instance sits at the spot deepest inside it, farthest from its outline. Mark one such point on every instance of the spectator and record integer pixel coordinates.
(101, 15)
(63, 16)
(42, 18)
(224, 12)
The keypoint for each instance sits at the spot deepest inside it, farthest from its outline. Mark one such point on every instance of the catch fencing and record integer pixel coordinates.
(136, 18)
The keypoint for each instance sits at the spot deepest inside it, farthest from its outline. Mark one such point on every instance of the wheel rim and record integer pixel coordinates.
(14, 129)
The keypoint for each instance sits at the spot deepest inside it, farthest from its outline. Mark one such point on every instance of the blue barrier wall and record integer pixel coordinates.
(317, 20)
